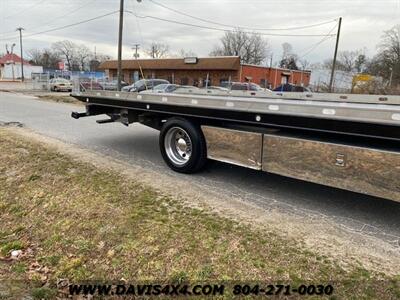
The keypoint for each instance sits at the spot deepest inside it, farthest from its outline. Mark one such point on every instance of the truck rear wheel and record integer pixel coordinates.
(182, 146)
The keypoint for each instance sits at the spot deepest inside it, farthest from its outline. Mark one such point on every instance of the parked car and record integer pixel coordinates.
(288, 87)
(218, 88)
(89, 84)
(186, 89)
(111, 85)
(245, 86)
(60, 84)
(163, 88)
(144, 84)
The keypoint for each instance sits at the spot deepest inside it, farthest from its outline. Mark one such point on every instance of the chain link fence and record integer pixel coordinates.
(41, 81)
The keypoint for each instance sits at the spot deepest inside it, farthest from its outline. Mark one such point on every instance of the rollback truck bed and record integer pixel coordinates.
(350, 142)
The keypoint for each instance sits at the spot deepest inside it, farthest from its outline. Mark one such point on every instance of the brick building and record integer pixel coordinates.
(196, 71)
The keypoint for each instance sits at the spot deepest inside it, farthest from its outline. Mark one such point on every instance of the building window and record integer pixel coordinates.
(263, 83)
(224, 82)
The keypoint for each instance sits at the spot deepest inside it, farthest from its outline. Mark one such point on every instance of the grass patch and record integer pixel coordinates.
(59, 98)
(81, 223)
(43, 293)
(7, 247)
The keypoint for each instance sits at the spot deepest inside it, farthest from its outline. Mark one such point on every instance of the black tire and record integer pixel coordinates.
(196, 143)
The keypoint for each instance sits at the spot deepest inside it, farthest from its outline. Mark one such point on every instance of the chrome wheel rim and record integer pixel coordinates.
(178, 146)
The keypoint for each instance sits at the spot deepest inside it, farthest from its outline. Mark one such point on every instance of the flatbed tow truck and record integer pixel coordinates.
(345, 141)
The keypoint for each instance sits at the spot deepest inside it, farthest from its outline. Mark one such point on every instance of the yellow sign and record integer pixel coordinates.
(362, 77)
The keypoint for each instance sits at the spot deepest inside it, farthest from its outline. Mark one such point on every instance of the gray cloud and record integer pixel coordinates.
(363, 23)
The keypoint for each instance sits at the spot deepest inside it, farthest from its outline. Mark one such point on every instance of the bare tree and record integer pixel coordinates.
(304, 64)
(349, 61)
(46, 57)
(82, 56)
(251, 48)
(289, 59)
(157, 50)
(346, 61)
(186, 53)
(96, 60)
(361, 63)
(287, 50)
(35, 56)
(66, 49)
(387, 62)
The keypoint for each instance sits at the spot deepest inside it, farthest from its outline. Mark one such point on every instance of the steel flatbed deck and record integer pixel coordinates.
(368, 119)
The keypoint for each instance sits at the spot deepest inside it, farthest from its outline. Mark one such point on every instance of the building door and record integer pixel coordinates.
(135, 76)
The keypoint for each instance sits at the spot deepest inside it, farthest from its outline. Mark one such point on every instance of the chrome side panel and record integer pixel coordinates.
(364, 170)
(233, 146)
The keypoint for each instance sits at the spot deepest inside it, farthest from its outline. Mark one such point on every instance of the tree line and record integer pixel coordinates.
(251, 47)
(254, 49)
(77, 57)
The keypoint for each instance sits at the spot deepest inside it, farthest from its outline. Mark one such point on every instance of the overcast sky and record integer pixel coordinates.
(363, 23)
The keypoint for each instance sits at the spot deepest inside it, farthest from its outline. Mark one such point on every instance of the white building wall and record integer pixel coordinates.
(342, 81)
(13, 71)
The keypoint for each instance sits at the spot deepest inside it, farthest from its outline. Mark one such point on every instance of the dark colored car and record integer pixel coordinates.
(144, 84)
(288, 87)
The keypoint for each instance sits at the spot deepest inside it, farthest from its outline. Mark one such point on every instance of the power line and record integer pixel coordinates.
(74, 24)
(312, 48)
(220, 29)
(58, 17)
(24, 10)
(237, 26)
(70, 25)
(315, 46)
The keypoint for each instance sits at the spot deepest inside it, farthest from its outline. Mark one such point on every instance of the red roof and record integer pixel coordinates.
(12, 57)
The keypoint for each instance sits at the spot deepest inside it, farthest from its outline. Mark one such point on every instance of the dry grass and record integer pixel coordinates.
(74, 221)
(58, 98)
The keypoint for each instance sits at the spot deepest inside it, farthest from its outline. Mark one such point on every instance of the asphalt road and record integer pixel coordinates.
(139, 145)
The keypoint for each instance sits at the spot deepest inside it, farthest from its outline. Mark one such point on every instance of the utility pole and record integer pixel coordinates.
(22, 56)
(391, 77)
(121, 27)
(136, 47)
(335, 56)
